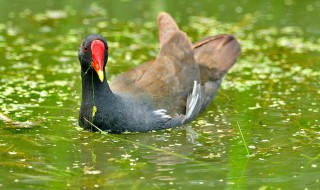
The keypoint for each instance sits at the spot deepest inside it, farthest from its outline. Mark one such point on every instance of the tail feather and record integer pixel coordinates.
(215, 56)
(218, 52)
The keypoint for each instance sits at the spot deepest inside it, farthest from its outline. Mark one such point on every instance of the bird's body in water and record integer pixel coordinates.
(166, 92)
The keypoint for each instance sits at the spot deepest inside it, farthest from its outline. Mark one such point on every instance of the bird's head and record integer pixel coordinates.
(93, 53)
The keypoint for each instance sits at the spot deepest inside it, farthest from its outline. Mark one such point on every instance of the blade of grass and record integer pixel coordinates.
(244, 141)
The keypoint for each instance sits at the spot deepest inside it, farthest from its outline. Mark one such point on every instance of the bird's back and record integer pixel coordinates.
(181, 71)
(169, 78)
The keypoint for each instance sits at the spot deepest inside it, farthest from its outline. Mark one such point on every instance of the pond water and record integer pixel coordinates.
(261, 132)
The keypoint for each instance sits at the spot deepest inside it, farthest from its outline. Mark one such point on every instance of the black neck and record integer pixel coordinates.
(93, 88)
(94, 93)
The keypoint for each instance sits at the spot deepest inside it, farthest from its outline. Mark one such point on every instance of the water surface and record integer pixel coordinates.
(261, 132)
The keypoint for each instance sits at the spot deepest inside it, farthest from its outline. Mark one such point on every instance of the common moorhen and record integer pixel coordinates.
(163, 93)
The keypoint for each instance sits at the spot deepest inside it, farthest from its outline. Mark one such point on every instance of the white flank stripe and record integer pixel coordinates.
(194, 99)
(162, 113)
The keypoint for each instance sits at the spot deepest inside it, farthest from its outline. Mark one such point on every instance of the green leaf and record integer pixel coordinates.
(94, 110)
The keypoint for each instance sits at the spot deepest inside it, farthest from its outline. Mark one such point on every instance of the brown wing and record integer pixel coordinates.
(168, 79)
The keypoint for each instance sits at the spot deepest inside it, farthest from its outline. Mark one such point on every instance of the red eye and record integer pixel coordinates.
(85, 49)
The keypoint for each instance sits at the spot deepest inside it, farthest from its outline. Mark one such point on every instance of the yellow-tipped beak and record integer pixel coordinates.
(98, 52)
(100, 75)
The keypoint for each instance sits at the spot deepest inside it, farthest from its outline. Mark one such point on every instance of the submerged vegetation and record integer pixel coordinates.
(268, 106)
